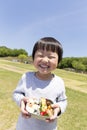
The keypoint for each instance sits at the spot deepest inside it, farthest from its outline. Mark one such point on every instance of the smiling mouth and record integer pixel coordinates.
(44, 66)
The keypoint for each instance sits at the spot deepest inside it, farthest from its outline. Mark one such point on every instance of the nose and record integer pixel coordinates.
(45, 59)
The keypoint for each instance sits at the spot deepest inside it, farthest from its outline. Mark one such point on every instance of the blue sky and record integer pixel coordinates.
(23, 22)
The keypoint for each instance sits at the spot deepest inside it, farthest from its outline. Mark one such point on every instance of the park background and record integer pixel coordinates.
(24, 22)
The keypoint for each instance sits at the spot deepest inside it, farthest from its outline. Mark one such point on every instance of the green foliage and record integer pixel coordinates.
(22, 57)
(4, 52)
(78, 64)
(66, 63)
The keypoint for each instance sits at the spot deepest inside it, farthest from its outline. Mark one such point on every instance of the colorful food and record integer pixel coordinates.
(45, 107)
(41, 107)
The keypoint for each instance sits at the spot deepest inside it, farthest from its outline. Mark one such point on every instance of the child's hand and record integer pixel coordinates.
(23, 108)
(56, 111)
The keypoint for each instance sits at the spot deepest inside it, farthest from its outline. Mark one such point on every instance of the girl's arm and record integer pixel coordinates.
(19, 92)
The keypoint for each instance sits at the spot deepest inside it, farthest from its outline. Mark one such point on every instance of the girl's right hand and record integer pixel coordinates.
(23, 108)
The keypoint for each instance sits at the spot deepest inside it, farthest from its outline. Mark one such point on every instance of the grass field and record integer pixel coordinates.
(75, 117)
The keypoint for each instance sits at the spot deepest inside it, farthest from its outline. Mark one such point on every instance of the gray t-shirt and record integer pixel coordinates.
(30, 86)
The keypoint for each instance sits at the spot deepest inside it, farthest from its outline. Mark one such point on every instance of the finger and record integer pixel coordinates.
(54, 106)
(51, 119)
(25, 99)
(26, 115)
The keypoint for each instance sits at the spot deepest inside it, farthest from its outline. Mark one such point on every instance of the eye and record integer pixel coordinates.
(51, 57)
(40, 55)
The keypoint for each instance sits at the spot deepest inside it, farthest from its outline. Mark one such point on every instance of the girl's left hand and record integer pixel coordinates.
(56, 111)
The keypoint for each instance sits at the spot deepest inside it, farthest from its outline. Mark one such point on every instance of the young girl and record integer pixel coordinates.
(47, 54)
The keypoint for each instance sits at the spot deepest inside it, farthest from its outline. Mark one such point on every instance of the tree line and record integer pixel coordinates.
(4, 52)
(77, 64)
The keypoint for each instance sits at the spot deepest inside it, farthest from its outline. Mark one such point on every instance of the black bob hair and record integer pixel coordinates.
(50, 44)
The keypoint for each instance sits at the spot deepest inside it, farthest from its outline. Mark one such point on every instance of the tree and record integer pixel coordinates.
(22, 51)
(22, 58)
(78, 66)
(4, 52)
(66, 63)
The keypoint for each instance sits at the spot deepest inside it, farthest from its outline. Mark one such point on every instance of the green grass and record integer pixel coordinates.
(17, 64)
(73, 80)
(8, 109)
(75, 117)
(72, 75)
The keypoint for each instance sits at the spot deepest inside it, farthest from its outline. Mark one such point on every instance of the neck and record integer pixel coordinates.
(44, 76)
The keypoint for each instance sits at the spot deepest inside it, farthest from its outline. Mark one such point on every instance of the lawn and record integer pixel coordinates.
(75, 117)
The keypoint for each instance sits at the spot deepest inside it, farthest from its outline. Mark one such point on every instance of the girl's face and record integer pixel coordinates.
(45, 61)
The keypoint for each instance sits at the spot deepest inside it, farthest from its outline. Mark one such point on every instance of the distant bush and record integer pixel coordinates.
(78, 64)
(4, 52)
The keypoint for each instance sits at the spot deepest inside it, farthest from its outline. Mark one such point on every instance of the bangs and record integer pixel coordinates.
(47, 47)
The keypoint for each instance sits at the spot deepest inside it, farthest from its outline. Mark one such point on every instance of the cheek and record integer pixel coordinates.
(54, 63)
(35, 62)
